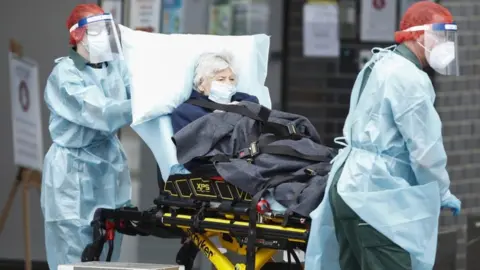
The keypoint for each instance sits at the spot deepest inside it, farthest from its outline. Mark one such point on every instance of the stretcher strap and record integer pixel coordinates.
(263, 146)
(252, 213)
(285, 150)
(262, 116)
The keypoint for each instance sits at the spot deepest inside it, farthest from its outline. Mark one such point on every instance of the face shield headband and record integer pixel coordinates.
(101, 39)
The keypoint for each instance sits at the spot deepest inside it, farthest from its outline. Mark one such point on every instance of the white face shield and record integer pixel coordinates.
(441, 47)
(101, 39)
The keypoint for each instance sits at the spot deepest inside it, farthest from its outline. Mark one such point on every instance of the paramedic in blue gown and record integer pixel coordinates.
(390, 181)
(215, 80)
(88, 96)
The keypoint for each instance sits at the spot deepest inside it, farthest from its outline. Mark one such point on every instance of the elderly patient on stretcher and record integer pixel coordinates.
(256, 149)
(214, 80)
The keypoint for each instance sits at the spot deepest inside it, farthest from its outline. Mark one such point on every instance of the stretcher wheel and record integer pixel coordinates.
(187, 254)
(89, 252)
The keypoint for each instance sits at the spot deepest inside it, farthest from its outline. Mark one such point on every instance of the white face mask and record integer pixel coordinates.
(441, 56)
(98, 47)
(221, 92)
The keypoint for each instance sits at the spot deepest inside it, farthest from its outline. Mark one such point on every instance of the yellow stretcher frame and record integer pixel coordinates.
(203, 188)
(199, 208)
(213, 254)
(220, 261)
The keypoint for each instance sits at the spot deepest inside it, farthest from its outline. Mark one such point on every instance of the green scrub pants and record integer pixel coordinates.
(361, 246)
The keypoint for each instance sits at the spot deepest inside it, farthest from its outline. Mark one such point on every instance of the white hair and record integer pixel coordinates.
(209, 64)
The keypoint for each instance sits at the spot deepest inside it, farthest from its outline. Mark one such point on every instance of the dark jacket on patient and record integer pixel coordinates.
(187, 113)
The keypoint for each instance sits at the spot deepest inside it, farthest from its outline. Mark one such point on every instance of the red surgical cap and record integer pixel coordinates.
(78, 13)
(421, 13)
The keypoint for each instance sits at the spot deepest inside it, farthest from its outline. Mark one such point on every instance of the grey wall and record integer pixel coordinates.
(40, 27)
(458, 105)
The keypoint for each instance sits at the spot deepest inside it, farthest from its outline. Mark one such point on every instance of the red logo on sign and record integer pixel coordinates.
(378, 4)
(24, 96)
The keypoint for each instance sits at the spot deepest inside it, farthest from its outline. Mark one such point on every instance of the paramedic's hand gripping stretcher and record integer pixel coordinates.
(211, 96)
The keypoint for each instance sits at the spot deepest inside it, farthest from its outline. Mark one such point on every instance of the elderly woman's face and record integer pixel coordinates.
(225, 76)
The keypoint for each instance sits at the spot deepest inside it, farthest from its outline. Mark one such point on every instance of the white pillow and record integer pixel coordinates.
(162, 67)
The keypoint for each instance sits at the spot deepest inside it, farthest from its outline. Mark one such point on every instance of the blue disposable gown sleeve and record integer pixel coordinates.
(411, 101)
(67, 96)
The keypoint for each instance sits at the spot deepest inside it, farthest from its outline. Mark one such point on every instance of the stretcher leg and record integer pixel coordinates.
(220, 261)
(212, 253)
(263, 256)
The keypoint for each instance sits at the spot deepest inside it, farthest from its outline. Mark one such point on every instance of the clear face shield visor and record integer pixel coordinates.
(441, 47)
(101, 38)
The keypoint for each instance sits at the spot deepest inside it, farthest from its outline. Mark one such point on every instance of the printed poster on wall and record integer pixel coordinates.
(172, 16)
(145, 15)
(378, 20)
(321, 30)
(26, 112)
(220, 18)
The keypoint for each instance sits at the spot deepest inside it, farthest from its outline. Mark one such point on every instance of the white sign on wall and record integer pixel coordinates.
(320, 30)
(26, 113)
(378, 20)
(145, 15)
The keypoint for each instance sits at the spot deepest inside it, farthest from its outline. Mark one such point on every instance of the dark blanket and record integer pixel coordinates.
(227, 133)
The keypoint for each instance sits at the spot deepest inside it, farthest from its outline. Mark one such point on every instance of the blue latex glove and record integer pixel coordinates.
(454, 204)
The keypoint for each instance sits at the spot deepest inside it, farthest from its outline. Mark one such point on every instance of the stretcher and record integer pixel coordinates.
(198, 207)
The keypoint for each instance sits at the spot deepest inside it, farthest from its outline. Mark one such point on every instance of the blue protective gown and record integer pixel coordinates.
(85, 168)
(394, 174)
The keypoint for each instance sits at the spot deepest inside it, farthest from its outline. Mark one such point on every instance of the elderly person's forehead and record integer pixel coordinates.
(214, 61)
(208, 56)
